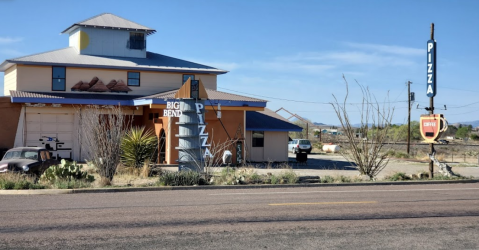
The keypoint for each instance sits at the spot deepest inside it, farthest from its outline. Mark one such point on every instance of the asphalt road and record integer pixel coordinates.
(356, 217)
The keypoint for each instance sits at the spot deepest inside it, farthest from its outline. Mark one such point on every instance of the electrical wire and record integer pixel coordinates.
(289, 100)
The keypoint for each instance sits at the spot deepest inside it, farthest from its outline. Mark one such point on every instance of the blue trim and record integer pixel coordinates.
(71, 101)
(136, 102)
(274, 129)
(225, 103)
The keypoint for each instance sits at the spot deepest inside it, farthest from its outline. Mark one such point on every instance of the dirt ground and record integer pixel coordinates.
(319, 164)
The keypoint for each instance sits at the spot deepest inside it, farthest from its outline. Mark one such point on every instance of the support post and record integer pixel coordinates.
(409, 116)
(431, 111)
(307, 131)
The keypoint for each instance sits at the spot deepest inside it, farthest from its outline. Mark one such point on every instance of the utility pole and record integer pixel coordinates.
(409, 116)
(431, 112)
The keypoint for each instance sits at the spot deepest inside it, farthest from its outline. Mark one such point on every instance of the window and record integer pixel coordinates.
(133, 78)
(58, 78)
(31, 155)
(152, 116)
(185, 78)
(137, 41)
(258, 139)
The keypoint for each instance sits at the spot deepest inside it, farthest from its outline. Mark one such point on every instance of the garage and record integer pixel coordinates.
(53, 131)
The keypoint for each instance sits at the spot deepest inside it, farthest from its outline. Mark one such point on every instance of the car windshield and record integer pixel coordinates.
(33, 155)
(304, 142)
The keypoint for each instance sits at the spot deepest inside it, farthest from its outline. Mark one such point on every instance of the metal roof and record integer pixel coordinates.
(223, 98)
(212, 95)
(108, 20)
(70, 98)
(153, 62)
(263, 121)
(65, 95)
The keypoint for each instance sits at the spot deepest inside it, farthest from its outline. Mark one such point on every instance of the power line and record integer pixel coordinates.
(289, 100)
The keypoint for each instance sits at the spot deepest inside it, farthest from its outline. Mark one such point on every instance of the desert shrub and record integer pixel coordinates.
(228, 176)
(17, 181)
(399, 176)
(274, 179)
(343, 179)
(391, 152)
(232, 176)
(289, 177)
(180, 178)
(443, 177)
(340, 179)
(327, 179)
(286, 177)
(401, 155)
(138, 147)
(255, 178)
(65, 171)
(70, 184)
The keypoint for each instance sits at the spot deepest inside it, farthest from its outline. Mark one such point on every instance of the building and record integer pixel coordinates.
(107, 63)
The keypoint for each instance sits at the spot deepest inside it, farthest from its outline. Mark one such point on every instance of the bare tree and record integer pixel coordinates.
(102, 130)
(375, 122)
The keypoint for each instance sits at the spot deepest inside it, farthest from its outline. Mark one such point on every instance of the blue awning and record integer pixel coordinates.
(260, 122)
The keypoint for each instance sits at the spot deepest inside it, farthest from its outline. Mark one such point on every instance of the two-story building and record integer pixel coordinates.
(107, 63)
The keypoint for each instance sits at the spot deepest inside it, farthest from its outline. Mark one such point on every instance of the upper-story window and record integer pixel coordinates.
(185, 78)
(133, 78)
(137, 41)
(58, 78)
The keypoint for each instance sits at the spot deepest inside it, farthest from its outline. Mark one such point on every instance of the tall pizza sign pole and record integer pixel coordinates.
(431, 85)
(432, 126)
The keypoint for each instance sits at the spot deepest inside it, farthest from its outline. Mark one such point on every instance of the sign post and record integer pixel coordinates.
(431, 85)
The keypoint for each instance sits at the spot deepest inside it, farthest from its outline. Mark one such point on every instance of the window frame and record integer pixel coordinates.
(56, 78)
(183, 78)
(128, 78)
(137, 44)
(257, 142)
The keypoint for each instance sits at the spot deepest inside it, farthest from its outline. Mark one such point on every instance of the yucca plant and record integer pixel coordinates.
(137, 146)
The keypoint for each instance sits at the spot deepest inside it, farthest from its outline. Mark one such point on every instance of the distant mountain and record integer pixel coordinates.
(473, 123)
(318, 123)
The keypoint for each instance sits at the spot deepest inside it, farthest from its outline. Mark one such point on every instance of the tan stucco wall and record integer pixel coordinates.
(8, 128)
(39, 78)
(275, 147)
(10, 80)
(34, 78)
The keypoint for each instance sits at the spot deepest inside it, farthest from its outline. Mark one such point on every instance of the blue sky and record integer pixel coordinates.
(291, 53)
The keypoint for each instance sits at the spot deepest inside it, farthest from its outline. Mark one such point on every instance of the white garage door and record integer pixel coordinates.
(51, 131)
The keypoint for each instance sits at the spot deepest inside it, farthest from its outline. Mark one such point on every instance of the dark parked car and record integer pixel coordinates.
(443, 142)
(29, 160)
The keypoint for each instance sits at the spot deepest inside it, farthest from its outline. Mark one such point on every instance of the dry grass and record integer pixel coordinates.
(18, 181)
